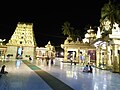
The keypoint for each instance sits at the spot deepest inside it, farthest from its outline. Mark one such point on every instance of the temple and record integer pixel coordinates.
(100, 48)
(22, 43)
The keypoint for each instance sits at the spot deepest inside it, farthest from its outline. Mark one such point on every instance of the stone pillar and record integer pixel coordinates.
(97, 56)
(77, 55)
(115, 59)
(86, 57)
(106, 57)
(119, 59)
(65, 54)
(109, 57)
(100, 54)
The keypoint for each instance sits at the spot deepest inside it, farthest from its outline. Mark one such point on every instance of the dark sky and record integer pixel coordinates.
(48, 18)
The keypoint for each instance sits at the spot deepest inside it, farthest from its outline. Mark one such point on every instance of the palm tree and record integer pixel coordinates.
(76, 34)
(111, 12)
(67, 29)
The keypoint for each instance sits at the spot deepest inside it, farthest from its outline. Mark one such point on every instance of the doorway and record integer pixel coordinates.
(19, 52)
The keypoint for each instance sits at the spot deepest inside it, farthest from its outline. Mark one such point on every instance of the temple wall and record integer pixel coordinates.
(12, 50)
(29, 51)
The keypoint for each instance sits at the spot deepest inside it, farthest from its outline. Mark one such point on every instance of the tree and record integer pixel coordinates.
(110, 11)
(76, 34)
(67, 29)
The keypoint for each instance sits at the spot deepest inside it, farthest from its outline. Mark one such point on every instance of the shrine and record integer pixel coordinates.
(48, 50)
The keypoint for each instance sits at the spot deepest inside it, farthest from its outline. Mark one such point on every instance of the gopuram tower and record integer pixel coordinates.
(22, 43)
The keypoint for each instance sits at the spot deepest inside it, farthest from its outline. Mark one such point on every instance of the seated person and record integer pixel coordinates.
(90, 69)
(86, 68)
(3, 70)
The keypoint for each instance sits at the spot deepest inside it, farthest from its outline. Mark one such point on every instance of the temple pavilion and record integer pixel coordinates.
(102, 48)
(80, 50)
(108, 47)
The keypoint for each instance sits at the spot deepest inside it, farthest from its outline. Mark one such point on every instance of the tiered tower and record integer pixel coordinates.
(22, 43)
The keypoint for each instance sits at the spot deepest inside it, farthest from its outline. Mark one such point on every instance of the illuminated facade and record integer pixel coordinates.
(108, 48)
(22, 43)
(80, 49)
(48, 50)
(3, 49)
(105, 44)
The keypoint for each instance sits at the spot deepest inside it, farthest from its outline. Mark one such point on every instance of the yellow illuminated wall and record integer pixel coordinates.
(23, 36)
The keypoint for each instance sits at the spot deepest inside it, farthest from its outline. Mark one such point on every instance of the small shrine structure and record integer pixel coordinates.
(47, 51)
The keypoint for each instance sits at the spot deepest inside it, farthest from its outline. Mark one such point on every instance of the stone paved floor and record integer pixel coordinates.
(21, 77)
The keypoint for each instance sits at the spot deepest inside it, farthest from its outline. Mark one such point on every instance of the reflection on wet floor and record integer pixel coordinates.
(21, 77)
(74, 77)
(18, 63)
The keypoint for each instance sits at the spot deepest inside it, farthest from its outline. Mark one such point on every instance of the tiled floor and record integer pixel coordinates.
(21, 77)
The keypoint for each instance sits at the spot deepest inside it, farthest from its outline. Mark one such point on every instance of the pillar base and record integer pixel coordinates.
(115, 71)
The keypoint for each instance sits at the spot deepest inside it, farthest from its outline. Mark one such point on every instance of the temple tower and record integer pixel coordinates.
(22, 43)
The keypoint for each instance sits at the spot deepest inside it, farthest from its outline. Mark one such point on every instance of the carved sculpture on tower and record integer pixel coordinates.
(22, 43)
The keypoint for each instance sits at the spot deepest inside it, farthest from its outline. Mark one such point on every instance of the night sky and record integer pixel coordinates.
(48, 18)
